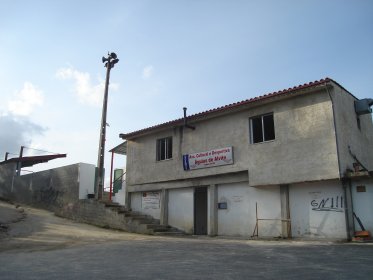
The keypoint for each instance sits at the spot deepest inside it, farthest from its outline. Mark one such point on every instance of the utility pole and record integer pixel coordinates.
(109, 61)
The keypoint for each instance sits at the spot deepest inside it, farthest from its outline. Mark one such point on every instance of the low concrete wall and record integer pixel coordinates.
(50, 189)
(92, 212)
(6, 176)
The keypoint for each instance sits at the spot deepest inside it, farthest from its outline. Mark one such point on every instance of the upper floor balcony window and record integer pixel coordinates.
(164, 148)
(262, 128)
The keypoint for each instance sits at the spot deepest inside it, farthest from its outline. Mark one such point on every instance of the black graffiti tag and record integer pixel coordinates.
(334, 204)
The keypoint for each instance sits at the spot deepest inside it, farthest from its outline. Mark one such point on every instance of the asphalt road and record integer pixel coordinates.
(42, 246)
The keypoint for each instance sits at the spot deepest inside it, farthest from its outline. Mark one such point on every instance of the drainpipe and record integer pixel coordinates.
(350, 227)
(346, 185)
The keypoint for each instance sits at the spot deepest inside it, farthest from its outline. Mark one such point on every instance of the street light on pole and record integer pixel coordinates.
(109, 61)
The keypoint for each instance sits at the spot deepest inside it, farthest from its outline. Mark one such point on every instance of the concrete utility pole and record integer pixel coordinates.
(110, 61)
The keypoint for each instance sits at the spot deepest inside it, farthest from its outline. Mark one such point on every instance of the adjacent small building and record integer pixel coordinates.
(293, 163)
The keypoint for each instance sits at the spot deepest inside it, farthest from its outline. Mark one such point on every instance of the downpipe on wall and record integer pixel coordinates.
(350, 226)
(346, 183)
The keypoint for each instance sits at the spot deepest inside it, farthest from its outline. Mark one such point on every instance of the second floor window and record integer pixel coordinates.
(164, 148)
(262, 128)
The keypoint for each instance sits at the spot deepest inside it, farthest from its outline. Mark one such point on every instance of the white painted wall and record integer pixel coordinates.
(360, 140)
(136, 205)
(181, 209)
(86, 179)
(240, 218)
(363, 204)
(136, 201)
(309, 219)
(120, 196)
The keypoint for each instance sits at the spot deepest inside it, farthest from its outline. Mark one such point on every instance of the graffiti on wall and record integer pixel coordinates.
(334, 204)
(47, 196)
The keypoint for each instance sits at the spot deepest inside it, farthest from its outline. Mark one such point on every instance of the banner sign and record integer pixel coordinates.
(217, 157)
(150, 200)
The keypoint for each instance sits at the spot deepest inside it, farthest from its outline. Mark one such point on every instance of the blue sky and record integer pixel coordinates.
(199, 54)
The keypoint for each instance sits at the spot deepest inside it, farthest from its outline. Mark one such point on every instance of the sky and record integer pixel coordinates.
(199, 54)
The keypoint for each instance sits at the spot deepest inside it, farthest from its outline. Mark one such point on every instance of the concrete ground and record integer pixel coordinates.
(39, 245)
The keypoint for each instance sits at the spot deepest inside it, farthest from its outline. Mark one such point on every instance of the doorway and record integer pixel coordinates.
(200, 211)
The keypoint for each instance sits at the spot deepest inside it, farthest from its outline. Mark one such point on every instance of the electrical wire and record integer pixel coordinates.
(53, 153)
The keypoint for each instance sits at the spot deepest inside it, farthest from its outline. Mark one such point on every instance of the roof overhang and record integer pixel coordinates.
(121, 149)
(30, 161)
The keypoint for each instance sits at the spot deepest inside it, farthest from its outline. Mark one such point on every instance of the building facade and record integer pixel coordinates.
(294, 163)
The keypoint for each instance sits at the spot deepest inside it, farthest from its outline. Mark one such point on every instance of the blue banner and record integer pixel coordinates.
(186, 162)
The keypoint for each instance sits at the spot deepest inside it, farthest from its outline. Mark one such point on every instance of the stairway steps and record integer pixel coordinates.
(157, 227)
(141, 223)
(112, 204)
(139, 217)
(169, 233)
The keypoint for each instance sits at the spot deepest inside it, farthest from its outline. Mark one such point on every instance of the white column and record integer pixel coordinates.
(164, 207)
(285, 211)
(213, 210)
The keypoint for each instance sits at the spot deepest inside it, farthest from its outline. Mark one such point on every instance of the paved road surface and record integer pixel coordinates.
(42, 246)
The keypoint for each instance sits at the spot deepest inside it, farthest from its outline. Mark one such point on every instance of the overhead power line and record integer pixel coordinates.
(41, 150)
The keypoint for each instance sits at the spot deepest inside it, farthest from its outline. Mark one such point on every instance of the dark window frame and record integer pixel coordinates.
(164, 148)
(262, 128)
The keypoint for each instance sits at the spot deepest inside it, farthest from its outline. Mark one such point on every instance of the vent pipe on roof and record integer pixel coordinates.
(185, 120)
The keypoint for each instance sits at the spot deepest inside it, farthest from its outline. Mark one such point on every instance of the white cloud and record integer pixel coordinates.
(26, 100)
(19, 132)
(86, 92)
(147, 72)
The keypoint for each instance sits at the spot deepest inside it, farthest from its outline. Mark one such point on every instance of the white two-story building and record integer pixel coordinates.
(293, 163)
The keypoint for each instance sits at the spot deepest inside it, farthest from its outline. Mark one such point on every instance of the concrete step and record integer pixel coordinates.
(169, 233)
(160, 230)
(143, 221)
(137, 217)
(122, 210)
(112, 204)
(163, 229)
(135, 213)
(157, 227)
